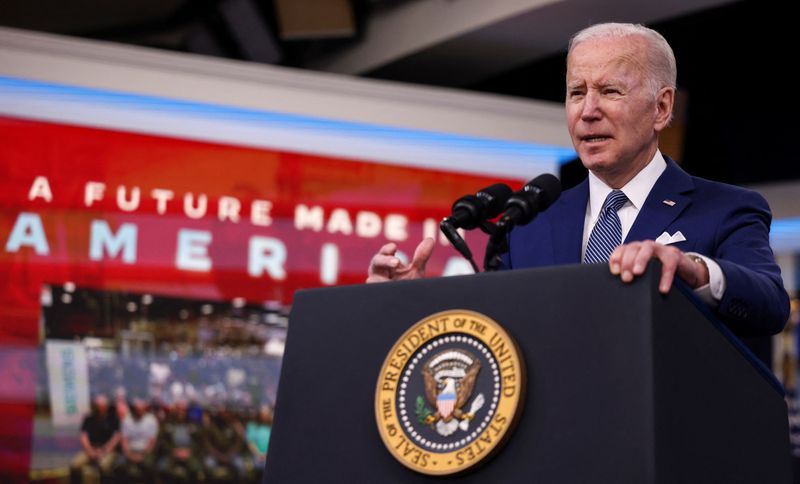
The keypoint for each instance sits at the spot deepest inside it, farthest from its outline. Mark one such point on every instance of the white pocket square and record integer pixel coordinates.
(666, 239)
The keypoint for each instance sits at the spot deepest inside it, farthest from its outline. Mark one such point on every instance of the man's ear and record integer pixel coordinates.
(665, 100)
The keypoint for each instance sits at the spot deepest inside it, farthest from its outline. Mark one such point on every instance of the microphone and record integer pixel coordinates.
(521, 208)
(534, 197)
(470, 211)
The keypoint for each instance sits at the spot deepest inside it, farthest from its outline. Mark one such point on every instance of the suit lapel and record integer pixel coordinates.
(567, 224)
(674, 185)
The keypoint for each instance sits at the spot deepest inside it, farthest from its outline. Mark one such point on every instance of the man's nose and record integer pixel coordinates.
(590, 111)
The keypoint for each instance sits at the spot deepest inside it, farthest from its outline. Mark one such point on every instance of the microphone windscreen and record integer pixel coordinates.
(549, 188)
(495, 198)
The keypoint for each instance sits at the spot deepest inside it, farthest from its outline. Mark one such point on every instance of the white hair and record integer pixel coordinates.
(660, 68)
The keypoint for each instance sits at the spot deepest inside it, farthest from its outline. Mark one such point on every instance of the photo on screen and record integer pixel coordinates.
(188, 385)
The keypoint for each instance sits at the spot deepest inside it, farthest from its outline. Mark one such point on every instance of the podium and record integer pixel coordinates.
(624, 385)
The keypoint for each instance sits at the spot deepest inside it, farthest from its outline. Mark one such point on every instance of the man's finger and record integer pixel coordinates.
(382, 265)
(416, 268)
(388, 249)
(670, 258)
(667, 275)
(384, 262)
(615, 260)
(627, 258)
(646, 252)
(423, 252)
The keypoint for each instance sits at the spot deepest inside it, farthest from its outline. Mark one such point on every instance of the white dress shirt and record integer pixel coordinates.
(637, 191)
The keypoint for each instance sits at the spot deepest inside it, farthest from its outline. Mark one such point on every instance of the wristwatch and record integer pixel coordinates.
(696, 258)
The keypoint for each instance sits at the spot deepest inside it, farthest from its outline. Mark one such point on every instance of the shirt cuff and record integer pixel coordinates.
(712, 292)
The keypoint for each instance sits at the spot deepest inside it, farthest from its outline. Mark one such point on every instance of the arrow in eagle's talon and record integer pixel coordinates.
(476, 405)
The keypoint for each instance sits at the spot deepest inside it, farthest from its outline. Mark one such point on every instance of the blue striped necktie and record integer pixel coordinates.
(607, 232)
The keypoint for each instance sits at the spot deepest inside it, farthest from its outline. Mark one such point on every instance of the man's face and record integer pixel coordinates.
(181, 409)
(139, 407)
(101, 404)
(612, 116)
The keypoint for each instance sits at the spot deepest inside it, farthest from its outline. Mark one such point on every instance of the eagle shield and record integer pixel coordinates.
(449, 382)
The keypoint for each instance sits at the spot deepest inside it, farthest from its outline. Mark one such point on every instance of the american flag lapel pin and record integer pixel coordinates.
(671, 203)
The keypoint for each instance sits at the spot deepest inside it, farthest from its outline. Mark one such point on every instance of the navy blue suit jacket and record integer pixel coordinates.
(726, 223)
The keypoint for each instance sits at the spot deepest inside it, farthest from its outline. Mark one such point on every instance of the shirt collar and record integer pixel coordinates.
(636, 190)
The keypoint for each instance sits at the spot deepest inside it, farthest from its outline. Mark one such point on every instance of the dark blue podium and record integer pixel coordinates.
(624, 385)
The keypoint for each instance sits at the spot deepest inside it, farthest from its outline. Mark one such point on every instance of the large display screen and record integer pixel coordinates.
(151, 249)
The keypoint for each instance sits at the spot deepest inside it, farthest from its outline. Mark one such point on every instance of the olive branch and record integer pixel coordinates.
(422, 410)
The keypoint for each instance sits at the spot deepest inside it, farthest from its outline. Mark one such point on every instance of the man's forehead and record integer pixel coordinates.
(614, 52)
(604, 60)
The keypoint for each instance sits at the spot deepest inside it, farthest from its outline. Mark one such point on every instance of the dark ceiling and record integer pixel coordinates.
(211, 27)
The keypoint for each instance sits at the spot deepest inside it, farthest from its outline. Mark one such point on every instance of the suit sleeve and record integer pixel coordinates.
(755, 302)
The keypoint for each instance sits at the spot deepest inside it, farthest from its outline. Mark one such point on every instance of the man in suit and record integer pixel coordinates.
(621, 82)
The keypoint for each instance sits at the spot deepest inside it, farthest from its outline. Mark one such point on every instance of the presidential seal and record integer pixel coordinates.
(449, 392)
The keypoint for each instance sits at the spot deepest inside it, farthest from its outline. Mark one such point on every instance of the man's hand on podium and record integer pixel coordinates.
(630, 260)
(385, 266)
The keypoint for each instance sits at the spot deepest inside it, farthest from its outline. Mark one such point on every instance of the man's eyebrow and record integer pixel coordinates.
(575, 84)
